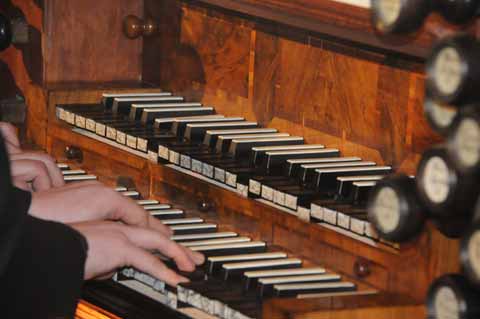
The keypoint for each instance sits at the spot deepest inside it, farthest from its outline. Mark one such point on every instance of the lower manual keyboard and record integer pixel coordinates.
(238, 275)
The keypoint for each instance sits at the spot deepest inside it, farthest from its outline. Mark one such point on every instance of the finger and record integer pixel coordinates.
(55, 173)
(9, 133)
(31, 171)
(12, 149)
(146, 262)
(156, 224)
(22, 185)
(129, 212)
(151, 240)
(196, 257)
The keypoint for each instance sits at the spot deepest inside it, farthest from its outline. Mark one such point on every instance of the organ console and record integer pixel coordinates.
(285, 140)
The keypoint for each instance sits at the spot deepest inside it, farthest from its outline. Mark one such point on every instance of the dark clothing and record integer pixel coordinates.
(41, 262)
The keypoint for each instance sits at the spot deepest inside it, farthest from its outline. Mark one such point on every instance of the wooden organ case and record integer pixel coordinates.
(310, 68)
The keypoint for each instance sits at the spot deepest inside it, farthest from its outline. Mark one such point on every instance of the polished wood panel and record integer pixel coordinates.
(385, 306)
(364, 102)
(84, 41)
(342, 21)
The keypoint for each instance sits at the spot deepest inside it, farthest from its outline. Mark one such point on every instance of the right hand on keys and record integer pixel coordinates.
(91, 201)
(113, 245)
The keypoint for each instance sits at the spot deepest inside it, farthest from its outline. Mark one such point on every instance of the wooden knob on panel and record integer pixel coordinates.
(133, 27)
(73, 153)
(205, 205)
(361, 268)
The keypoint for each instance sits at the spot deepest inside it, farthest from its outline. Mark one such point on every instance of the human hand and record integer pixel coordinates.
(9, 133)
(113, 245)
(35, 169)
(91, 201)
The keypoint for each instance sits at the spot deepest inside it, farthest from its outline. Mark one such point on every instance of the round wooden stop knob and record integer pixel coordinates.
(73, 153)
(133, 27)
(5, 32)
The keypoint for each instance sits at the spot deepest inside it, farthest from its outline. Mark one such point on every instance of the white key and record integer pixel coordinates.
(284, 272)
(179, 221)
(147, 202)
(244, 257)
(251, 244)
(293, 287)
(221, 241)
(156, 206)
(262, 264)
(305, 278)
(72, 178)
(130, 193)
(203, 236)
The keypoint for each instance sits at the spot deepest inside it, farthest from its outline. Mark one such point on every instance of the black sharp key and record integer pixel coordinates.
(292, 166)
(214, 264)
(274, 161)
(241, 147)
(211, 136)
(167, 122)
(308, 172)
(136, 109)
(149, 115)
(107, 98)
(193, 229)
(122, 105)
(325, 179)
(345, 184)
(196, 131)
(258, 153)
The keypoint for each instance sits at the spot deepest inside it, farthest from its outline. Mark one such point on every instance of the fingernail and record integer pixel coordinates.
(199, 258)
(182, 279)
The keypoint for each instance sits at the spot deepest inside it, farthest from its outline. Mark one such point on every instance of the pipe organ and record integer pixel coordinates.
(323, 155)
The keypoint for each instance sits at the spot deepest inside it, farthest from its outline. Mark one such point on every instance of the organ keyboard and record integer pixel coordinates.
(239, 272)
(263, 162)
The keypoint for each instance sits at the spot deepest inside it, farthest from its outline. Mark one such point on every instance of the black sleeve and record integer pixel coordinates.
(45, 274)
(10, 219)
(41, 262)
